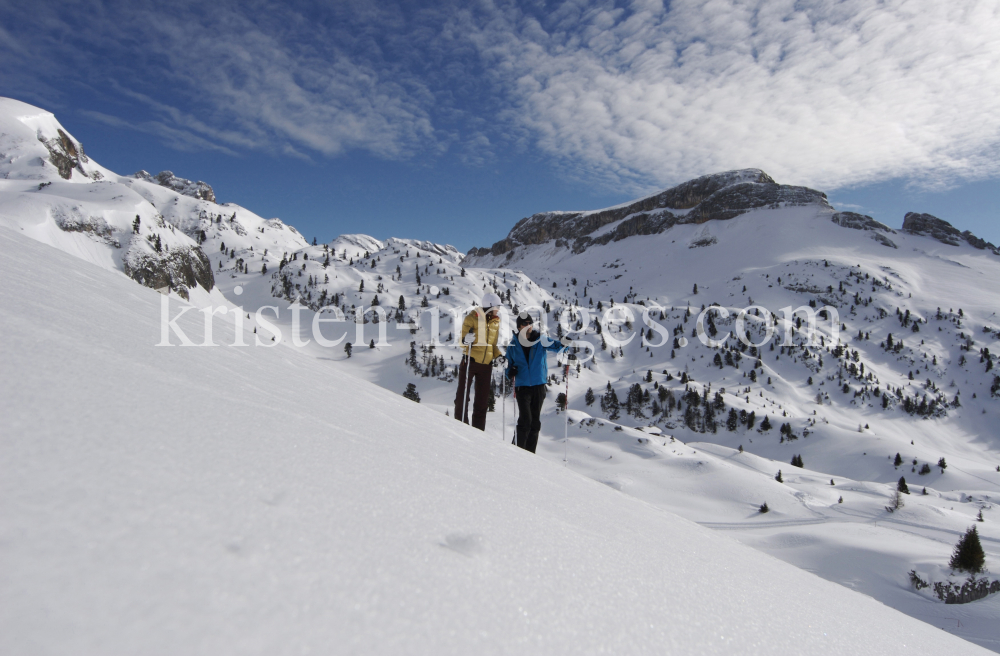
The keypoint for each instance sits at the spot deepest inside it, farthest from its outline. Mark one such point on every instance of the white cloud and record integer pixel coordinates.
(262, 76)
(628, 95)
(818, 93)
(182, 140)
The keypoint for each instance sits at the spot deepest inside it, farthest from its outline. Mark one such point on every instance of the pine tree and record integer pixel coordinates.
(411, 393)
(348, 348)
(901, 485)
(371, 344)
(779, 478)
(402, 303)
(764, 508)
(968, 555)
(695, 291)
(733, 420)
(766, 424)
(942, 464)
(898, 461)
(588, 398)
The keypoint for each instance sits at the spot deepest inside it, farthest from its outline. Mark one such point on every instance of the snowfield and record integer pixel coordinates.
(285, 498)
(206, 501)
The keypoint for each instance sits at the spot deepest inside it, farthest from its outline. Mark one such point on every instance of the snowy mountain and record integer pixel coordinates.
(709, 198)
(906, 368)
(151, 229)
(165, 501)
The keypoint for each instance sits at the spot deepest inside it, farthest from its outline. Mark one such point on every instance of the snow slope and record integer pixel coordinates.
(772, 257)
(172, 500)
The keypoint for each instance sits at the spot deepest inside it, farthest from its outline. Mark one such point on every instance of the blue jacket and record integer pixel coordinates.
(535, 369)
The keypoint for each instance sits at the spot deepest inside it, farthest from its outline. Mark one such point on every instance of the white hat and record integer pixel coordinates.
(491, 300)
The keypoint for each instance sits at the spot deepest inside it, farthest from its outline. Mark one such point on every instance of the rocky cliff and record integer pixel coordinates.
(719, 196)
(200, 190)
(866, 223)
(179, 269)
(928, 225)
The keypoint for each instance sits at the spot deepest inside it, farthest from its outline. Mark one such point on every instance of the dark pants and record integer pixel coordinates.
(529, 419)
(479, 381)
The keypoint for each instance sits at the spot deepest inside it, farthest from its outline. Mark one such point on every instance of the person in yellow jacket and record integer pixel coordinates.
(479, 333)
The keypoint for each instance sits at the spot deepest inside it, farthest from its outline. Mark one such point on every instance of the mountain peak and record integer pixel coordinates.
(717, 196)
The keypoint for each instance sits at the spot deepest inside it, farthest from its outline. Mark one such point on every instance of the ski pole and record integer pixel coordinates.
(465, 388)
(513, 396)
(498, 362)
(569, 356)
(503, 399)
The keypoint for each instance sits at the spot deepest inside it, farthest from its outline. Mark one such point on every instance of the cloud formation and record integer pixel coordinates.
(815, 92)
(259, 75)
(630, 95)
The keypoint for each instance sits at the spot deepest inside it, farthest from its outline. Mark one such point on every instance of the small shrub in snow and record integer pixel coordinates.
(917, 582)
(411, 393)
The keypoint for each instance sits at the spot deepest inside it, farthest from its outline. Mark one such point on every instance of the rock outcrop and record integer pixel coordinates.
(864, 222)
(927, 225)
(179, 269)
(719, 196)
(200, 190)
(66, 154)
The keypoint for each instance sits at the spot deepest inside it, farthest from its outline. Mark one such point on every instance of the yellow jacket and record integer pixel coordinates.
(484, 349)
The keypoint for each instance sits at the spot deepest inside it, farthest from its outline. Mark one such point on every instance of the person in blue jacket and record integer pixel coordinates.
(528, 370)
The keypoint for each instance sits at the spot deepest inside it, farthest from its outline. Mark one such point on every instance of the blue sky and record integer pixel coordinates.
(450, 121)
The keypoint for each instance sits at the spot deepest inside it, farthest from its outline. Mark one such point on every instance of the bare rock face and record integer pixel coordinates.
(859, 222)
(927, 225)
(179, 269)
(719, 196)
(66, 154)
(864, 222)
(200, 190)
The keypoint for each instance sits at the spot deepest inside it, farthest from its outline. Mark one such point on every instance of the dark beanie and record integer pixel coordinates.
(523, 319)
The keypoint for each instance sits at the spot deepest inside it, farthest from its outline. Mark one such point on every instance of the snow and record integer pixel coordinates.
(174, 500)
(252, 441)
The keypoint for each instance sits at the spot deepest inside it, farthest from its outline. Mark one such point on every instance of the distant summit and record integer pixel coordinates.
(200, 190)
(719, 196)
